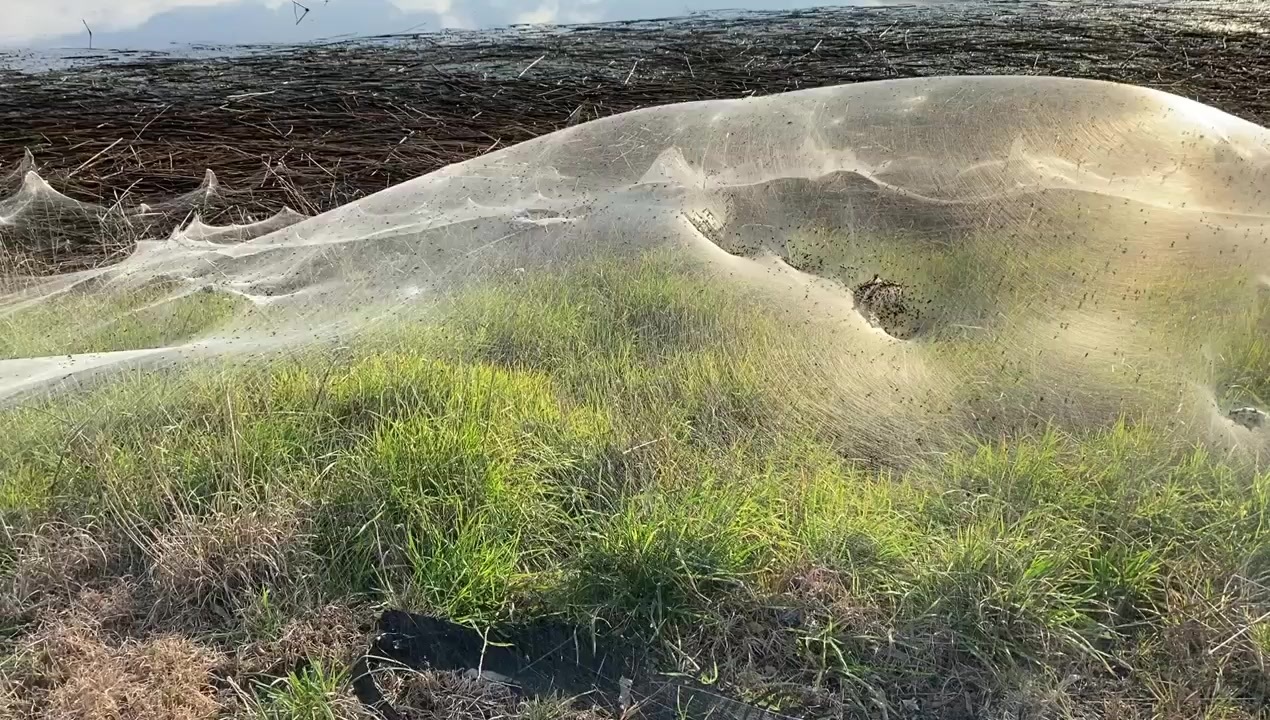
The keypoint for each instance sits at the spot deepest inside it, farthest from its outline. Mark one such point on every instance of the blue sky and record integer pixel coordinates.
(155, 24)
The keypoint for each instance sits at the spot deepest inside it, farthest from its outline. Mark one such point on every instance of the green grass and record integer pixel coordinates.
(608, 445)
(83, 322)
(313, 693)
(1242, 362)
(1214, 305)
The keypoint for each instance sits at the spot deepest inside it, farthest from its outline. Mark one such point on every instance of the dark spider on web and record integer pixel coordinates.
(884, 305)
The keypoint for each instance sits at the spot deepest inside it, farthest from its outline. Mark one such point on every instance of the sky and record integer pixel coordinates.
(158, 24)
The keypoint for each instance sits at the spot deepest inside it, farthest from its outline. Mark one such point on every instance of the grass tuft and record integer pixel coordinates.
(314, 693)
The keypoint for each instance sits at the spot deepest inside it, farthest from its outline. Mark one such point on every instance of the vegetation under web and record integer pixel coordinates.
(80, 322)
(602, 445)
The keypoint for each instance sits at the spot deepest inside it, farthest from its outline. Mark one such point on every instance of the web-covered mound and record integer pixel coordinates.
(946, 255)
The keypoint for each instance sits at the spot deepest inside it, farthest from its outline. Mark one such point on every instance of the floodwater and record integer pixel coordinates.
(37, 34)
(160, 24)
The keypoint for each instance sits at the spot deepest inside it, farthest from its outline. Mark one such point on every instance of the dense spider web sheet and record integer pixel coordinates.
(957, 254)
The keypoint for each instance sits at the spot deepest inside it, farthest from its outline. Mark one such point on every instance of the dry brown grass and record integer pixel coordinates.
(184, 629)
(55, 561)
(445, 696)
(8, 698)
(332, 634)
(72, 669)
(222, 560)
(452, 696)
(103, 659)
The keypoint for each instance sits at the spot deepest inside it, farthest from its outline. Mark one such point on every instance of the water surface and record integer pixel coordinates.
(158, 24)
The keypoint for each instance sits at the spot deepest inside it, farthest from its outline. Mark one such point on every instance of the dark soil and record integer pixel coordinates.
(540, 660)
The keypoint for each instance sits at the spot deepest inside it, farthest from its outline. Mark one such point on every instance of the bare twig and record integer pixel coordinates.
(94, 158)
(531, 65)
(632, 72)
(147, 125)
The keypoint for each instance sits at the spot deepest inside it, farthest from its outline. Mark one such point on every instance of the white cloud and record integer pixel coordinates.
(548, 12)
(440, 7)
(551, 11)
(443, 9)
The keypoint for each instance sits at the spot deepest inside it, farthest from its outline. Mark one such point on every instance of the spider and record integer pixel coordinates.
(883, 304)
